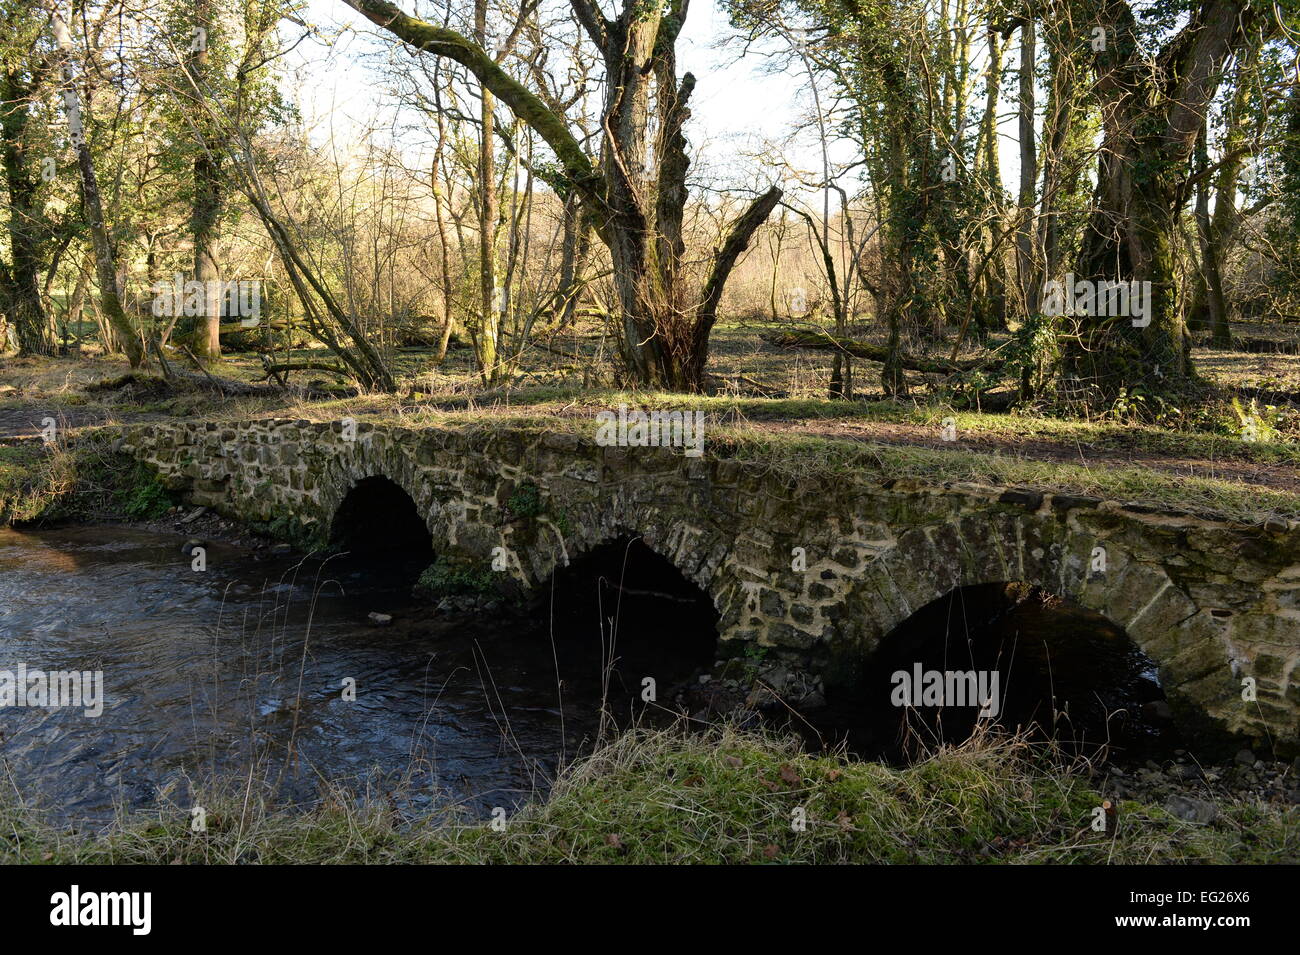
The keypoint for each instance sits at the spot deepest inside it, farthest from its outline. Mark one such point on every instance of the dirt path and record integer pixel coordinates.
(24, 421)
(28, 421)
(1280, 477)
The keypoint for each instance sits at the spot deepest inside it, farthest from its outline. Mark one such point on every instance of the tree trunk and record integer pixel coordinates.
(489, 297)
(1216, 231)
(444, 245)
(22, 293)
(574, 248)
(637, 198)
(1212, 305)
(110, 297)
(1027, 259)
(1061, 114)
(207, 201)
(1151, 125)
(993, 316)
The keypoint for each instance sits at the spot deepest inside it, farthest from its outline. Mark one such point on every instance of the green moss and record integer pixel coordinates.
(450, 577)
(526, 502)
(289, 528)
(561, 520)
(142, 496)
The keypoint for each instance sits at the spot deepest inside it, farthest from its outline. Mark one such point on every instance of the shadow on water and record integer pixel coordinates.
(245, 668)
(378, 517)
(654, 628)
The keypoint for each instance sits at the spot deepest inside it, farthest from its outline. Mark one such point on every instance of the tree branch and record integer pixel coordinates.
(824, 341)
(592, 20)
(440, 41)
(742, 230)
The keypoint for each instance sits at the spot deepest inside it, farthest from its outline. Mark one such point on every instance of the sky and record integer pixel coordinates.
(738, 103)
(735, 107)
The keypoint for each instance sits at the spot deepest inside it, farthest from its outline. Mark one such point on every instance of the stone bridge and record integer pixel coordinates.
(1211, 602)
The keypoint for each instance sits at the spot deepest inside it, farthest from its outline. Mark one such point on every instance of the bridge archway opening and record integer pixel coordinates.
(623, 613)
(1016, 657)
(382, 536)
(377, 516)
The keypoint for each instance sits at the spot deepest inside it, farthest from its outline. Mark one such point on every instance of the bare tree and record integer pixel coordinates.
(637, 195)
(110, 297)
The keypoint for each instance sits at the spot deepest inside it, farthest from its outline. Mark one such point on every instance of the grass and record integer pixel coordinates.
(24, 472)
(726, 796)
(33, 480)
(1211, 440)
(446, 577)
(84, 480)
(797, 455)
(800, 455)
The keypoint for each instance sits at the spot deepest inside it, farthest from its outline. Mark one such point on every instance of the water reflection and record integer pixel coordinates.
(243, 669)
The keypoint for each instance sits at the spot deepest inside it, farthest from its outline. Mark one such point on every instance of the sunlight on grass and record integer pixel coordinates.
(722, 797)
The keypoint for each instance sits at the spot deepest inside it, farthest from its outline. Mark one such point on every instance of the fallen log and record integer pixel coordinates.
(227, 387)
(274, 369)
(824, 341)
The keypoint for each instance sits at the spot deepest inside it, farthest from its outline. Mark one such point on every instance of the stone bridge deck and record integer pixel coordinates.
(1211, 602)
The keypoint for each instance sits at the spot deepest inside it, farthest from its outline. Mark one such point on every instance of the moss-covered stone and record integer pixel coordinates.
(1211, 601)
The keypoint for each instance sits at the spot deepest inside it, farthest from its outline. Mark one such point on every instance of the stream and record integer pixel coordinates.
(266, 670)
(239, 670)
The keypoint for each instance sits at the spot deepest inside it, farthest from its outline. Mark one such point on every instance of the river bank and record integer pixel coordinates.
(703, 789)
(723, 796)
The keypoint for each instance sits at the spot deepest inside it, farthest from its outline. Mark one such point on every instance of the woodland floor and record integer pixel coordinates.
(759, 390)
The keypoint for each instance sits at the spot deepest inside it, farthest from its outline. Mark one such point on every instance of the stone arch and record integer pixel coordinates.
(1188, 644)
(1050, 664)
(376, 514)
(696, 551)
(642, 559)
(351, 465)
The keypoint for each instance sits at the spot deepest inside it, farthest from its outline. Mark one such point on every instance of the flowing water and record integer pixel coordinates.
(241, 669)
